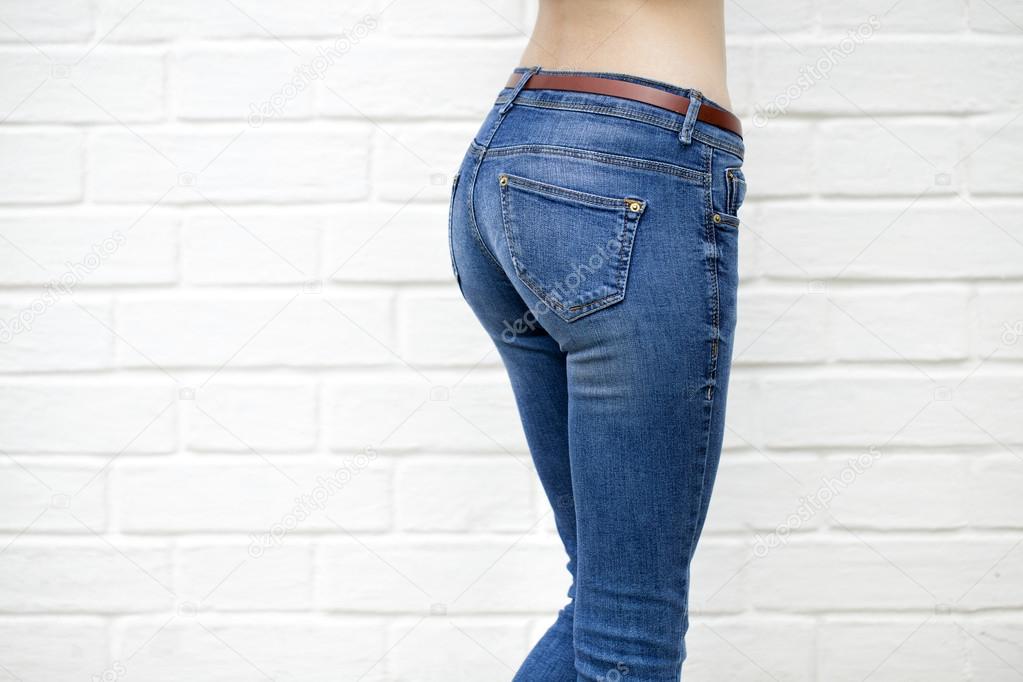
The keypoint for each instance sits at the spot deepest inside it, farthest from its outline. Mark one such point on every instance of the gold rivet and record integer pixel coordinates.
(717, 218)
(504, 180)
(634, 206)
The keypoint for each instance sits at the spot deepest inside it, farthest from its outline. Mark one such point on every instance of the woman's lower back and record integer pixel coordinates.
(675, 41)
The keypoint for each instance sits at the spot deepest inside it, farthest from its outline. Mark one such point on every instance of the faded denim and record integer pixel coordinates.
(595, 238)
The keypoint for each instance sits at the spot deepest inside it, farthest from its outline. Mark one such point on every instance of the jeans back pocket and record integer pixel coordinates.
(571, 248)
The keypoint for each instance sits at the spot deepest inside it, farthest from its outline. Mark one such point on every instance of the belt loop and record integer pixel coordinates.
(685, 135)
(518, 88)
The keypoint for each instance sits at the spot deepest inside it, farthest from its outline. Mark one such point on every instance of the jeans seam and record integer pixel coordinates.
(477, 236)
(691, 174)
(570, 195)
(712, 270)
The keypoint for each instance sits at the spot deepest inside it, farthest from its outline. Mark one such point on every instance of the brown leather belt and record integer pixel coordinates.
(640, 93)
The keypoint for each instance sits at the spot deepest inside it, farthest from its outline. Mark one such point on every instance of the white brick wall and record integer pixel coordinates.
(252, 432)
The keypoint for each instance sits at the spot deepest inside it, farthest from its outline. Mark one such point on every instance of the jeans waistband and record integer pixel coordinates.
(623, 108)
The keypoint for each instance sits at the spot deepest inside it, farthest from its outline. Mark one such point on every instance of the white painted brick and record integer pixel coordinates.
(762, 492)
(999, 325)
(989, 402)
(441, 330)
(440, 649)
(52, 647)
(931, 575)
(251, 248)
(251, 417)
(294, 329)
(227, 577)
(36, 497)
(994, 647)
(761, 16)
(748, 246)
(125, 20)
(268, 498)
(213, 84)
(389, 243)
(993, 491)
(887, 157)
(228, 649)
(237, 165)
(83, 248)
(63, 417)
(46, 20)
(819, 410)
(406, 412)
(44, 333)
(992, 146)
(836, 77)
(417, 162)
(458, 494)
(904, 409)
(742, 427)
(83, 577)
(924, 16)
(719, 578)
(740, 79)
(781, 326)
(412, 19)
(890, 241)
(411, 88)
(109, 86)
(511, 574)
(749, 650)
(40, 166)
(892, 650)
(865, 327)
(999, 16)
(772, 165)
(898, 491)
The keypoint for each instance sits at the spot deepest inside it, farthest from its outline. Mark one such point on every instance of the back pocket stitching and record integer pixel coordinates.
(625, 237)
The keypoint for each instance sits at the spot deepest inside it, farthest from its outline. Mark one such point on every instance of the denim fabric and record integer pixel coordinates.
(595, 238)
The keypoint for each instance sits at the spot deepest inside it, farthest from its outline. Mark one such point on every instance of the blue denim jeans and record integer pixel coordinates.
(595, 238)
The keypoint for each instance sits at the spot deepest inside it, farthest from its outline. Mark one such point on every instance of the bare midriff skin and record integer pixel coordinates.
(681, 42)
